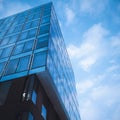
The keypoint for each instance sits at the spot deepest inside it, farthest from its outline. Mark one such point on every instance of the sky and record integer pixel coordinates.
(91, 30)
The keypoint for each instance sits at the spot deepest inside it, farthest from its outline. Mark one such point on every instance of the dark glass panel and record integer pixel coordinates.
(28, 46)
(11, 68)
(23, 64)
(39, 59)
(44, 29)
(1, 67)
(32, 33)
(41, 44)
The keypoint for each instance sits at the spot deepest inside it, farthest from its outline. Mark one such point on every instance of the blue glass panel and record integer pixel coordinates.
(30, 17)
(23, 64)
(41, 44)
(45, 20)
(23, 35)
(27, 25)
(1, 67)
(28, 46)
(36, 16)
(11, 30)
(34, 97)
(44, 112)
(17, 28)
(35, 23)
(44, 29)
(11, 68)
(6, 52)
(47, 12)
(18, 49)
(13, 38)
(30, 116)
(32, 33)
(39, 59)
(4, 41)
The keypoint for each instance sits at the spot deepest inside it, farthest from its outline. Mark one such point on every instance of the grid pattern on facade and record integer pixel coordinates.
(31, 42)
(24, 42)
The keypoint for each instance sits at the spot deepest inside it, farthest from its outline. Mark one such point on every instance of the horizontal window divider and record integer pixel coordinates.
(13, 76)
(41, 50)
(37, 70)
(21, 55)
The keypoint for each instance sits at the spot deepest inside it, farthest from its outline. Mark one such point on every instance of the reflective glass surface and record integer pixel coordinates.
(30, 116)
(59, 66)
(31, 42)
(44, 112)
(34, 97)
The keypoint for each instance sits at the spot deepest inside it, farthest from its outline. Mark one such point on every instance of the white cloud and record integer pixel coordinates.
(93, 6)
(94, 104)
(83, 86)
(113, 68)
(89, 83)
(70, 15)
(91, 48)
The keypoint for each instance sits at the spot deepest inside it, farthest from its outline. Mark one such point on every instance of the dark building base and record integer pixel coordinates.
(16, 106)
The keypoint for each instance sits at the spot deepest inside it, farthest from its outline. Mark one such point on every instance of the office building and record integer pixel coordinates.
(36, 77)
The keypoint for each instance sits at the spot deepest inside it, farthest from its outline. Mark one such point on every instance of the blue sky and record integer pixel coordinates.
(91, 29)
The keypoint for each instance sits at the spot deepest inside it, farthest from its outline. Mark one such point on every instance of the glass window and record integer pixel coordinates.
(11, 68)
(6, 52)
(45, 19)
(1, 51)
(30, 116)
(30, 17)
(23, 35)
(44, 112)
(4, 89)
(1, 67)
(13, 39)
(28, 46)
(41, 44)
(21, 20)
(36, 16)
(18, 28)
(39, 59)
(47, 12)
(35, 23)
(18, 49)
(27, 25)
(34, 97)
(32, 33)
(10, 30)
(23, 64)
(5, 41)
(44, 29)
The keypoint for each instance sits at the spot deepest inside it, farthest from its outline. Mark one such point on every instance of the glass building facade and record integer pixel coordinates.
(31, 43)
